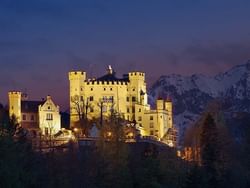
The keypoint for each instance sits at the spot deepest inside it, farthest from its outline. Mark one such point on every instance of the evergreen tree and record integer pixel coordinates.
(210, 152)
(193, 177)
(247, 154)
(111, 164)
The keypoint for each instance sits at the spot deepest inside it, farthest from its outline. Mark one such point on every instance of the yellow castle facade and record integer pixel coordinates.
(39, 117)
(96, 97)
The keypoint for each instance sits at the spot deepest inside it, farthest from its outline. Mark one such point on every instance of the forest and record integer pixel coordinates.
(224, 160)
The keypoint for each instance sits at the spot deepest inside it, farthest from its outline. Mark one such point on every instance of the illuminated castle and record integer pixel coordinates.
(36, 116)
(127, 96)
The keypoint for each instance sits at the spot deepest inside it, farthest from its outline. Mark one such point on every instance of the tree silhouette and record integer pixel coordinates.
(210, 151)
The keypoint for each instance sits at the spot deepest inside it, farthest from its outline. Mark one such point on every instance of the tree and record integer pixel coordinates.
(82, 107)
(8, 125)
(17, 160)
(111, 169)
(246, 152)
(193, 177)
(210, 151)
(4, 120)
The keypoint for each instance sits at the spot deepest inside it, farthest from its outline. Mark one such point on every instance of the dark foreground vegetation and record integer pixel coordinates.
(223, 162)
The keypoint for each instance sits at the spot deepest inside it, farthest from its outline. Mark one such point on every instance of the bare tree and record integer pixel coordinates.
(102, 104)
(82, 107)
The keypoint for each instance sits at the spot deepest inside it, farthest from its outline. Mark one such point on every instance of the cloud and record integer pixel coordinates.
(216, 56)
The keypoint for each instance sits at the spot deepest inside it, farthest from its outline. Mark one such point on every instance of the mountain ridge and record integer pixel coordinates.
(191, 94)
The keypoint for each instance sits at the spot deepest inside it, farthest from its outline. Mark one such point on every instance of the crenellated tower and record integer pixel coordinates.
(76, 80)
(137, 87)
(169, 109)
(15, 104)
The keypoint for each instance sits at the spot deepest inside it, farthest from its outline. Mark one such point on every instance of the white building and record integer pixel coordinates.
(36, 116)
(49, 117)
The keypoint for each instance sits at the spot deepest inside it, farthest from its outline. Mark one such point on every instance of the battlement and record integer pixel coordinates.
(136, 74)
(169, 106)
(77, 75)
(96, 82)
(13, 93)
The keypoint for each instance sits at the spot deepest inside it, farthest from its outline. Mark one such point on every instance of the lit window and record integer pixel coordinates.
(91, 89)
(133, 99)
(81, 98)
(127, 99)
(91, 98)
(111, 98)
(151, 117)
(139, 118)
(49, 116)
(127, 110)
(104, 89)
(151, 133)
(111, 89)
(151, 125)
(139, 110)
(104, 98)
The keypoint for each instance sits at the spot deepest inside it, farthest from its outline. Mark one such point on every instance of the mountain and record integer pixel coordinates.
(192, 94)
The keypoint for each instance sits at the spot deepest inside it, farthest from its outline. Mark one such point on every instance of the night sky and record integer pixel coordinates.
(41, 40)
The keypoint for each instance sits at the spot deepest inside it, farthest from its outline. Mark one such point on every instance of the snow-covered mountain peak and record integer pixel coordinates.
(191, 94)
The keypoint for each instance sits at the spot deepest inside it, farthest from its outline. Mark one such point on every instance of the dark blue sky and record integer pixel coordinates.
(41, 40)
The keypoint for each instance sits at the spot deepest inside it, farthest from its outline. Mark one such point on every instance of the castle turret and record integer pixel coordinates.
(76, 79)
(137, 86)
(169, 109)
(15, 104)
(160, 104)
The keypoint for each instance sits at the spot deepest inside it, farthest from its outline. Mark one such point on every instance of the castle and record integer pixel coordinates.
(39, 117)
(99, 97)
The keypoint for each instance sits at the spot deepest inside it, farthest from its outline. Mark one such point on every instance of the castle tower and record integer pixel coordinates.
(169, 109)
(160, 104)
(76, 80)
(15, 104)
(137, 87)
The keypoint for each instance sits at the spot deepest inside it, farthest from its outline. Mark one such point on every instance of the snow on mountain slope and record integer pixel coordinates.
(191, 94)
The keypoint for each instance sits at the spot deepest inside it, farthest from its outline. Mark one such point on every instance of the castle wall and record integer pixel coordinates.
(30, 120)
(112, 95)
